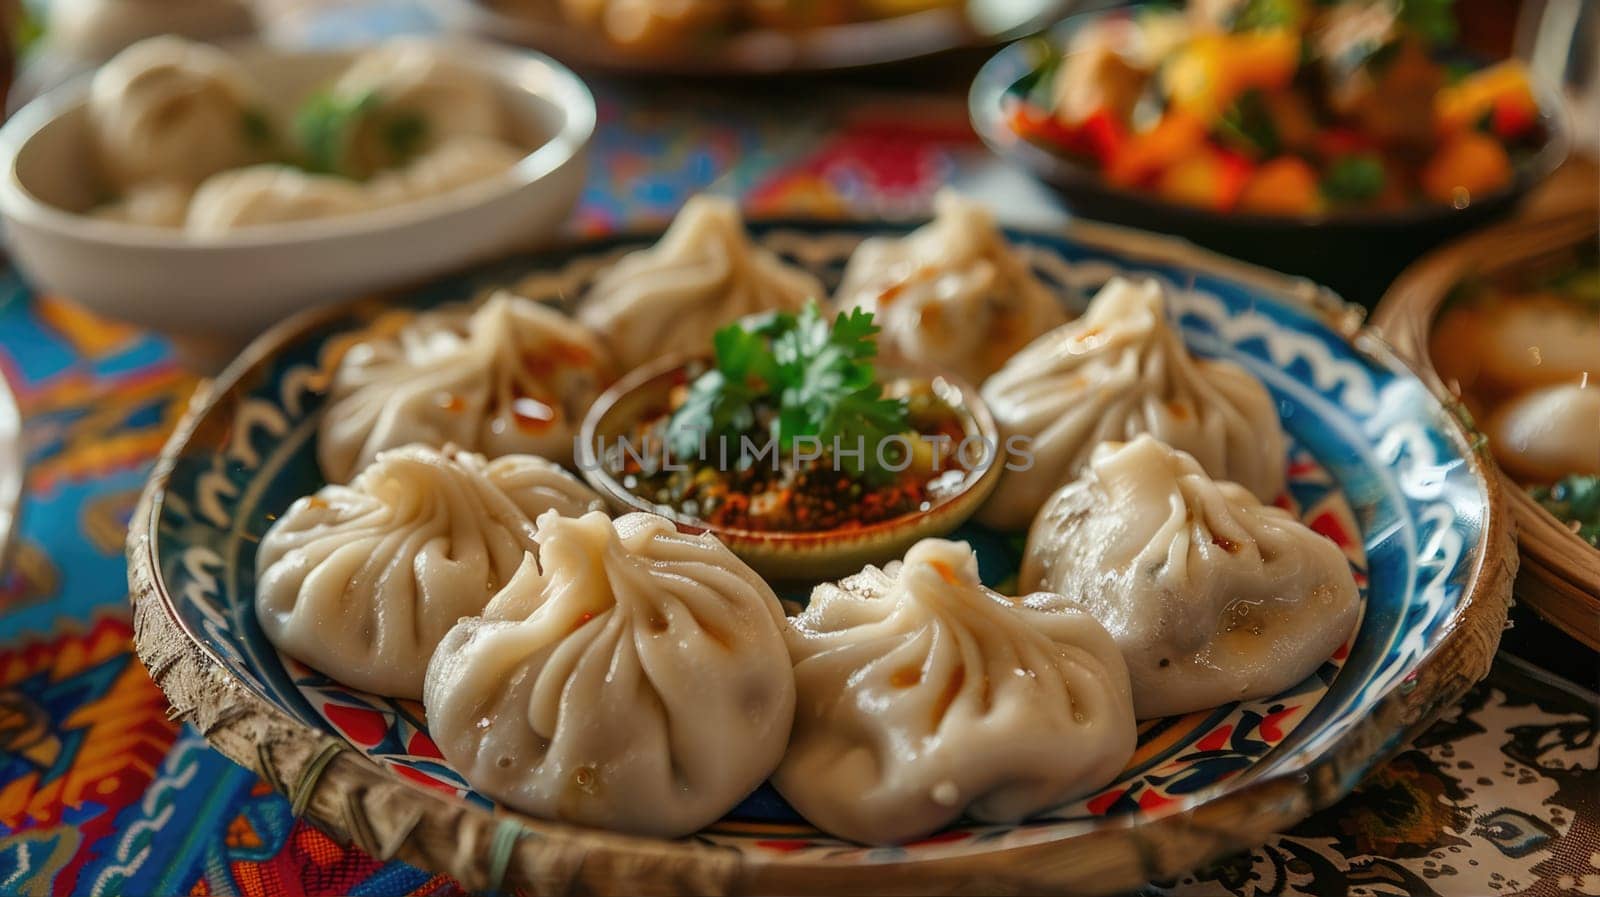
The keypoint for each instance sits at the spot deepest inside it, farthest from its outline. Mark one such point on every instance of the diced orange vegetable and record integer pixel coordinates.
(1468, 166)
(1461, 106)
(1038, 125)
(1208, 178)
(1147, 152)
(1286, 185)
(1210, 71)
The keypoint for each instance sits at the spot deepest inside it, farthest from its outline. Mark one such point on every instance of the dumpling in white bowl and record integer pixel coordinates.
(510, 376)
(1212, 596)
(1121, 370)
(1549, 433)
(632, 678)
(923, 695)
(703, 274)
(396, 102)
(952, 296)
(268, 194)
(362, 581)
(455, 163)
(153, 204)
(170, 110)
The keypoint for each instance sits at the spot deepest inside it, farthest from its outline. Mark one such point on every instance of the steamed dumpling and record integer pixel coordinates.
(1549, 433)
(1119, 371)
(633, 678)
(268, 194)
(410, 97)
(703, 274)
(1212, 596)
(953, 296)
(457, 162)
(170, 110)
(362, 581)
(923, 696)
(510, 376)
(155, 204)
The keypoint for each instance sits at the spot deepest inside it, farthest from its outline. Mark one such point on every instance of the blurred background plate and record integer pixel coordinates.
(1356, 253)
(924, 32)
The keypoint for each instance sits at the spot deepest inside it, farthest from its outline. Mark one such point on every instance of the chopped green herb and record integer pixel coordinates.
(1576, 501)
(257, 128)
(1432, 20)
(813, 378)
(1258, 15)
(323, 125)
(1353, 178)
(405, 135)
(1248, 126)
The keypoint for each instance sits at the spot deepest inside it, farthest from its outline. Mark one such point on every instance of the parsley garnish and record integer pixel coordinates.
(795, 377)
(322, 126)
(1575, 501)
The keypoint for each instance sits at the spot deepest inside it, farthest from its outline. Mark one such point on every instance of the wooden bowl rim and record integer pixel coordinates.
(349, 796)
(1406, 316)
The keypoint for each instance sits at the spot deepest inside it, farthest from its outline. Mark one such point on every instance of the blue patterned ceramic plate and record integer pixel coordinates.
(1375, 463)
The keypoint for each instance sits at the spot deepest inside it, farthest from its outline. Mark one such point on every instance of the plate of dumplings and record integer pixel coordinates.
(1244, 558)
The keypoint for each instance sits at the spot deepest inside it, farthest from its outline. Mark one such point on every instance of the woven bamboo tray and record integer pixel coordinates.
(1560, 572)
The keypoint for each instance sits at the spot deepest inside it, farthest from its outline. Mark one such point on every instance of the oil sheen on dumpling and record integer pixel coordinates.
(633, 678)
(703, 274)
(924, 695)
(1212, 596)
(952, 296)
(1119, 371)
(169, 110)
(362, 581)
(268, 194)
(414, 97)
(508, 377)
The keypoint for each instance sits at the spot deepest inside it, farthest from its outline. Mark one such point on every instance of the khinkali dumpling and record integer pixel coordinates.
(399, 101)
(952, 296)
(1549, 433)
(703, 274)
(1212, 596)
(1119, 371)
(362, 581)
(633, 678)
(455, 163)
(155, 204)
(166, 109)
(508, 377)
(923, 696)
(269, 194)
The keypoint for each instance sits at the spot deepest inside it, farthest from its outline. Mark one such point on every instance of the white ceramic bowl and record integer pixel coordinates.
(225, 290)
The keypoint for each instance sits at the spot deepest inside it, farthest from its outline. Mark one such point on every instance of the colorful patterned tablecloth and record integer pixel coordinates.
(100, 793)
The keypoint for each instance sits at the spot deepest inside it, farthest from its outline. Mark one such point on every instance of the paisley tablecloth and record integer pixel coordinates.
(101, 794)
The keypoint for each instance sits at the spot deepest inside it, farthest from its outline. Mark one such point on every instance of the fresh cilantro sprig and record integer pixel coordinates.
(800, 376)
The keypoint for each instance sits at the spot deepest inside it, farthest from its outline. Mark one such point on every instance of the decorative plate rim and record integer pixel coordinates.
(349, 795)
(1406, 314)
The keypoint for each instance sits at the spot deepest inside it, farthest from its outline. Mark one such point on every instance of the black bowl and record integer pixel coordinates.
(1357, 253)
